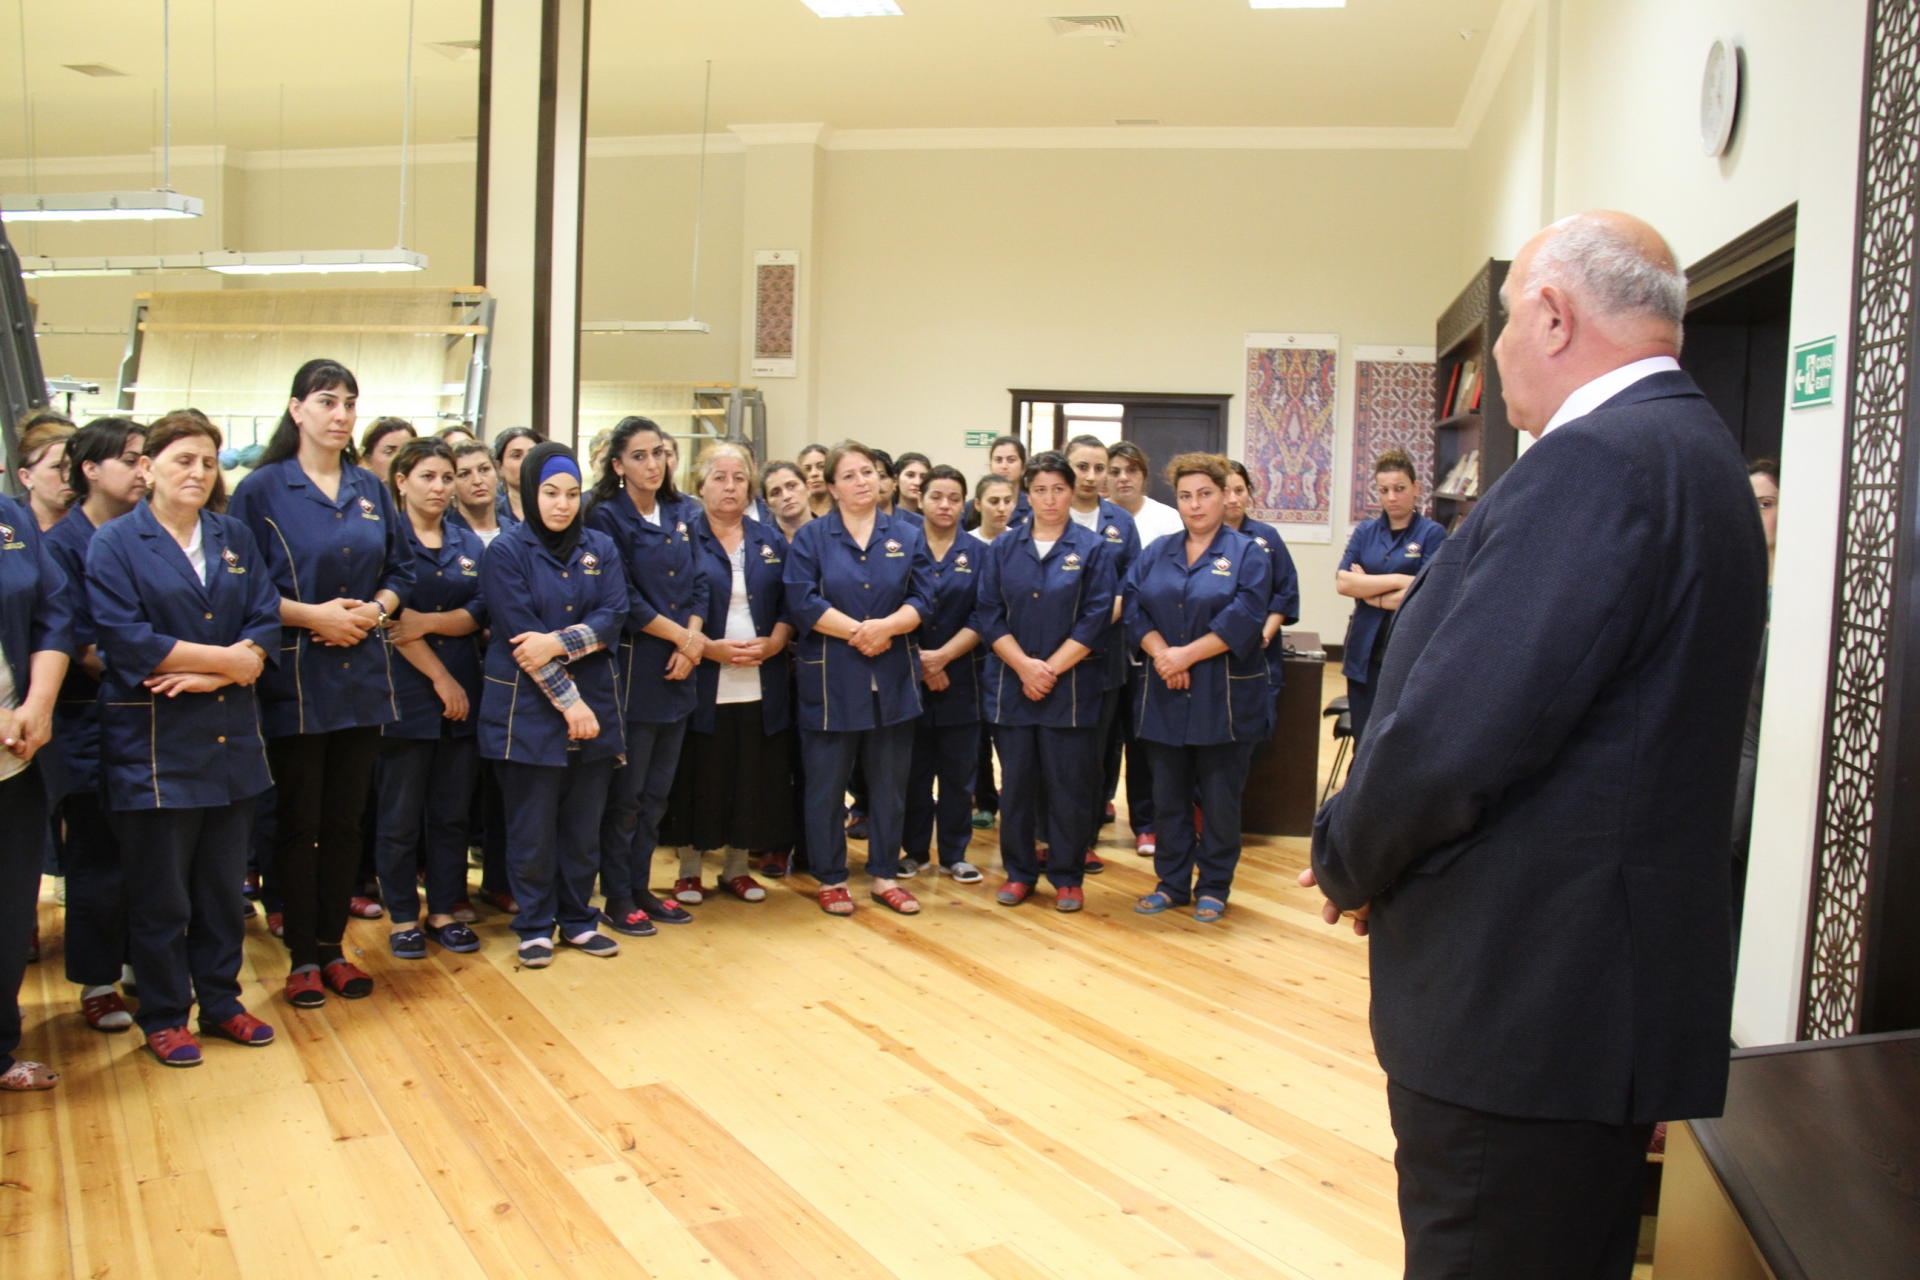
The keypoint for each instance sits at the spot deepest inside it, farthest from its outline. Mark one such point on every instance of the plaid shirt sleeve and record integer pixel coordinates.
(553, 679)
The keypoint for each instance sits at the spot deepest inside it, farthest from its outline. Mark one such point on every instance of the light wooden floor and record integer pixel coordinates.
(767, 1092)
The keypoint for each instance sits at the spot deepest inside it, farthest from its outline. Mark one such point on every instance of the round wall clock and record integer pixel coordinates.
(1719, 97)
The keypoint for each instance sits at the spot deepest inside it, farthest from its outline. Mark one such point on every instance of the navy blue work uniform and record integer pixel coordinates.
(555, 790)
(946, 739)
(181, 773)
(1050, 749)
(663, 580)
(1022, 509)
(323, 705)
(1201, 739)
(1285, 599)
(1379, 548)
(96, 915)
(430, 765)
(734, 787)
(849, 704)
(1115, 525)
(35, 616)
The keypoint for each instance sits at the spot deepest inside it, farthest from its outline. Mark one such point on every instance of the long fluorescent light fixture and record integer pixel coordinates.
(308, 262)
(855, 8)
(1298, 4)
(646, 326)
(99, 206)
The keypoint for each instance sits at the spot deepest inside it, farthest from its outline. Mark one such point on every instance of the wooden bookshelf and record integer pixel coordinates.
(1470, 417)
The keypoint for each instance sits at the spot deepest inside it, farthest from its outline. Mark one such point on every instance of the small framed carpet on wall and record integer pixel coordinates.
(776, 300)
(1392, 409)
(1292, 385)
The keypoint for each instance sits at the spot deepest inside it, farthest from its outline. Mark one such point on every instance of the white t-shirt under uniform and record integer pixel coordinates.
(738, 684)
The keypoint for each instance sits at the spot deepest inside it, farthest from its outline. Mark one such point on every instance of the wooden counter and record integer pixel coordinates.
(1284, 780)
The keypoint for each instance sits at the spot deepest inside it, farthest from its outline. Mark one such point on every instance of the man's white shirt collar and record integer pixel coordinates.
(1586, 399)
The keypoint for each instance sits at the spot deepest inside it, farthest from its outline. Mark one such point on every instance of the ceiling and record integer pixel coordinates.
(273, 74)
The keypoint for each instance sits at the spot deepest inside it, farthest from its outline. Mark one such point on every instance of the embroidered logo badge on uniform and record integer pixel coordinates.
(766, 553)
(1113, 533)
(1071, 560)
(1222, 566)
(1413, 551)
(467, 565)
(680, 527)
(7, 538)
(232, 558)
(1262, 541)
(590, 562)
(960, 561)
(893, 547)
(368, 510)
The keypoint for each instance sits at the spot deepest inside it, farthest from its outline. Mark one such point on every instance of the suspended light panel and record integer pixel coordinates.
(307, 262)
(99, 206)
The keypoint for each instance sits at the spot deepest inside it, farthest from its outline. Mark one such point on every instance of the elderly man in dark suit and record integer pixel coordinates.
(1534, 832)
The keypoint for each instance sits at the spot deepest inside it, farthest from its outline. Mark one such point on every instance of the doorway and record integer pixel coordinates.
(1163, 424)
(1739, 300)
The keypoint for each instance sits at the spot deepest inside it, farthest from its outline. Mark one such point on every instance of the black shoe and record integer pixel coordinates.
(662, 912)
(857, 829)
(624, 917)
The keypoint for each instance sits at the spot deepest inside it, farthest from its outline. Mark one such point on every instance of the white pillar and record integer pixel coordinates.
(531, 190)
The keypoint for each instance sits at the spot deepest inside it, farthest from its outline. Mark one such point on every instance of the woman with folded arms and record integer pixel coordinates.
(1382, 559)
(1046, 599)
(338, 553)
(35, 639)
(946, 741)
(1195, 607)
(188, 616)
(105, 471)
(549, 711)
(734, 788)
(636, 505)
(858, 583)
(429, 764)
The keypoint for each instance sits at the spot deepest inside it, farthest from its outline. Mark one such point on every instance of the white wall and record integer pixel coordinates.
(947, 278)
(1620, 86)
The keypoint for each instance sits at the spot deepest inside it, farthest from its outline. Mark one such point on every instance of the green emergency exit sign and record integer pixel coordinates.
(1813, 373)
(979, 439)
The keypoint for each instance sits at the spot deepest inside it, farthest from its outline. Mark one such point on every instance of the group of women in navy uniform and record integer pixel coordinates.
(625, 665)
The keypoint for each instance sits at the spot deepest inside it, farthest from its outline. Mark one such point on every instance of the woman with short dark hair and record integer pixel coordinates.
(1381, 560)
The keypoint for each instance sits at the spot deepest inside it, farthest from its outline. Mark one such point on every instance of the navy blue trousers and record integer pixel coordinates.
(886, 754)
(1139, 766)
(23, 845)
(636, 801)
(553, 842)
(1216, 776)
(1360, 692)
(1046, 778)
(96, 922)
(185, 930)
(944, 755)
(493, 831)
(426, 799)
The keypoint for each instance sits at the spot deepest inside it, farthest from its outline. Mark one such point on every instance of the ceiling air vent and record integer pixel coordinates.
(1099, 26)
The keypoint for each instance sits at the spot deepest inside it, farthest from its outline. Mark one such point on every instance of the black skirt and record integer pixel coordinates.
(734, 785)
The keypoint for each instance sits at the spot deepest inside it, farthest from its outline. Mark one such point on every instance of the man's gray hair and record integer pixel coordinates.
(1596, 262)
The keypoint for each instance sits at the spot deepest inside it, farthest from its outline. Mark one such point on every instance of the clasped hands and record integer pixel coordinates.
(344, 622)
(240, 663)
(1037, 679)
(1331, 913)
(872, 637)
(1172, 665)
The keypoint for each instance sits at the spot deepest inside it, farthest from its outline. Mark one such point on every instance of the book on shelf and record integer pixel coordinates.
(1453, 387)
(1467, 396)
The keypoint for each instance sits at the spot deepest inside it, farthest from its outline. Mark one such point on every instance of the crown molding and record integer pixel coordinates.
(382, 157)
(777, 135)
(663, 144)
(1148, 138)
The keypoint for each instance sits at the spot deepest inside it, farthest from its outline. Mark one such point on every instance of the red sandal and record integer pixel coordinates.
(835, 900)
(898, 899)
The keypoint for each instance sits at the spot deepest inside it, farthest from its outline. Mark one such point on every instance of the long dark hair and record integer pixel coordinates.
(314, 375)
(381, 428)
(98, 441)
(609, 482)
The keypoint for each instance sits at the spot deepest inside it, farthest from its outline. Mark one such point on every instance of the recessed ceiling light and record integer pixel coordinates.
(1298, 4)
(97, 69)
(855, 8)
